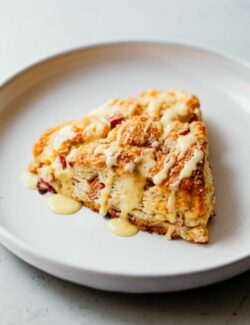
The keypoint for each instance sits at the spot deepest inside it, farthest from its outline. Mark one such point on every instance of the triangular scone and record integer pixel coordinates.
(144, 159)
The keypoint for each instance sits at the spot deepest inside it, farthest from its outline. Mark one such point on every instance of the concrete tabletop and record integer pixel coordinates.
(31, 30)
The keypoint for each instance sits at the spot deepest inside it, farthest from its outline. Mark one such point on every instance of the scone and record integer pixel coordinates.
(142, 159)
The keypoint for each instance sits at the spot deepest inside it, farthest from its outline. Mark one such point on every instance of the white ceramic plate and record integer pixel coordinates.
(80, 248)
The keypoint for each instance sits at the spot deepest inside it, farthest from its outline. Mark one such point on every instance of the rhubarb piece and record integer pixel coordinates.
(44, 187)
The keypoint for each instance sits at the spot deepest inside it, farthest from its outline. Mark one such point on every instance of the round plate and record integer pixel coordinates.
(80, 248)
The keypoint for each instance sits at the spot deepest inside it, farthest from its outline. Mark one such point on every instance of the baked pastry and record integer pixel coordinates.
(142, 159)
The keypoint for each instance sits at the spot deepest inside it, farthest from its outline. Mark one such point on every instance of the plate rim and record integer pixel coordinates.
(7, 239)
(95, 45)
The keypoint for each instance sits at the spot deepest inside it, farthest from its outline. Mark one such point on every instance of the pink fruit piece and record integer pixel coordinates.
(63, 161)
(44, 187)
(115, 213)
(95, 186)
(115, 120)
(184, 132)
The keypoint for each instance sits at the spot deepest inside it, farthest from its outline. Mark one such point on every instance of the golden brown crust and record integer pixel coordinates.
(43, 140)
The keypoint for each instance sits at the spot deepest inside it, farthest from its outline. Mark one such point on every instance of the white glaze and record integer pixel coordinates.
(29, 180)
(105, 193)
(132, 192)
(129, 134)
(71, 155)
(173, 112)
(101, 111)
(122, 227)
(119, 133)
(147, 161)
(191, 165)
(147, 126)
(46, 172)
(111, 153)
(60, 204)
(155, 144)
(138, 159)
(65, 177)
(63, 135)
(184, 142)
(171, 229)
(94, 129)
(163, 173)
(155, 102)
(132, 107)
(130, 167)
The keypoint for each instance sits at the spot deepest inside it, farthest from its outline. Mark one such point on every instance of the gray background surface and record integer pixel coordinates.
(31, 30)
